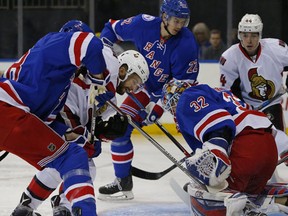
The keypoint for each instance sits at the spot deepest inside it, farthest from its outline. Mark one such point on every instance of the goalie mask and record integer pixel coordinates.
(136, 63)
(171, 93)
(250, 23)
(176, 8)
(75, 26)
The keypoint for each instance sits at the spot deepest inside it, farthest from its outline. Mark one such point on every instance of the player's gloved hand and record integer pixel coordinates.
(154, 112)
(93, 150)
(101, 98)
(80, 135)
(115, 127)
(284, 154)
(211, 164)
(235, 204)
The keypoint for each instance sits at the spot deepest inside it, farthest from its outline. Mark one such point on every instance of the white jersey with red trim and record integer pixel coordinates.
(78, 100)
(259, 77)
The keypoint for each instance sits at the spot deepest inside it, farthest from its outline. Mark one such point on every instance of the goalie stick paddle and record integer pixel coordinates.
(157, 145)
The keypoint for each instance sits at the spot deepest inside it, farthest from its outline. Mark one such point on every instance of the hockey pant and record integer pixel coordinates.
(253, 159)
(26, 136)
(46, 181)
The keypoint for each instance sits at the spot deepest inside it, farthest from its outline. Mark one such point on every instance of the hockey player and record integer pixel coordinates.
(128, 73)
(223, 133)
(33, 91)
(253, 69)
(170, 50)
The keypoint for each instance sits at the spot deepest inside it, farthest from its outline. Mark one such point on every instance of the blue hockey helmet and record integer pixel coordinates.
(171, 93)
(75, 26)
(176, 8)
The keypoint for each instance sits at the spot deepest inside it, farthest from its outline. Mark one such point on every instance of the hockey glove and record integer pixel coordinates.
(103, 97)
(210, 165)
(154, 112)
(115, 127)
(93, 150)
(235, 204)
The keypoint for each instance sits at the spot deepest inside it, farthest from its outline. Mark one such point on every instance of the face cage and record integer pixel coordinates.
(170, 103)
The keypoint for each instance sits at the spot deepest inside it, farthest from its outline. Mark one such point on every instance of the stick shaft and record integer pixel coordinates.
(157, 145)
(164, 130)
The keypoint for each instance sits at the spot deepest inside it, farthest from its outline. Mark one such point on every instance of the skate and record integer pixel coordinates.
(23, 209)
(120, 189)
(57, 209)
(77, 211)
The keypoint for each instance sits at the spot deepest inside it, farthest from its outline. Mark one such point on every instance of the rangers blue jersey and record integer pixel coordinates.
(202, 109)
(39, 81)
(176, 57)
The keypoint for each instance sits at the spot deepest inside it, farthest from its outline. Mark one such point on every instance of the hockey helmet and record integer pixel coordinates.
(250, 23)
(176, 8)
(136, 64)
(171, 93)
(75, 26)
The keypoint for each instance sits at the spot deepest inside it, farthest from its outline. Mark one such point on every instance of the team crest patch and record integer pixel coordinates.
(51, 147)
(147, 17)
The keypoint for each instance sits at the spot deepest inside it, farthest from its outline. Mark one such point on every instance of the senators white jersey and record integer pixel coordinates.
(79, 102)
(258, 78)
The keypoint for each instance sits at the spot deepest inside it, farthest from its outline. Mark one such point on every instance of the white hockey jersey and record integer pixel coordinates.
(259, 77)
(78, 100)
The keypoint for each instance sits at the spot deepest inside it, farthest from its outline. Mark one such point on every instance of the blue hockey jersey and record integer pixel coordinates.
(39, 81)
(176, 57)
(202, 109)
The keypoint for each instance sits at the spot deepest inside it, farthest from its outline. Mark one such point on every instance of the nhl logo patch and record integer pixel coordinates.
(51, 147)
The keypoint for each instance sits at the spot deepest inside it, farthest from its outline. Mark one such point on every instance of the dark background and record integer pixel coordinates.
(42, 16)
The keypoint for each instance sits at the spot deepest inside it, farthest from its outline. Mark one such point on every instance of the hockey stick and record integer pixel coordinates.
(269, 101)
(153, 175)
(3, 155)
(166, 132)
(282, 160)
(157, 145)
(93, 122)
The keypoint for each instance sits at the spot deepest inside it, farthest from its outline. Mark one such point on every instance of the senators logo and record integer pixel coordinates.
(262, 89)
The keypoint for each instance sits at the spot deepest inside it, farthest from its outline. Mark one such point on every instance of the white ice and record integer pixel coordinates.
(152, 197)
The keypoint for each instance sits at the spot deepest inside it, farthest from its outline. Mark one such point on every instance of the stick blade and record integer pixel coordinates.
(150, 175)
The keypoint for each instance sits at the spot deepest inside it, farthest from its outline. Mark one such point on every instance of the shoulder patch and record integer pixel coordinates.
(282, 43)
(222, 60)
(147, 17)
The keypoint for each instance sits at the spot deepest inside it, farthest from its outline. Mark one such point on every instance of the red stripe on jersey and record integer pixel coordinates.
(112, 21)
(73, 119)
(9, 91)
(77, 47)
(121, 158)
(81, 83)
(245, 114)
(211, 119)
(16, 67)
(79, 192)
(37, 189)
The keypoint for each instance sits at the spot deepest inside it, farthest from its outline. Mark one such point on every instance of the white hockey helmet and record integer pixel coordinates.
(250, 23)
(136, 64)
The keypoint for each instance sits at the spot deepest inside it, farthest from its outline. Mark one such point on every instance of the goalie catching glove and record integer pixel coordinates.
(211, 164)
(115, 127)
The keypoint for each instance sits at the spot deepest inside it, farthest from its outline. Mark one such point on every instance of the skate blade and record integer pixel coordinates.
(122, 195)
